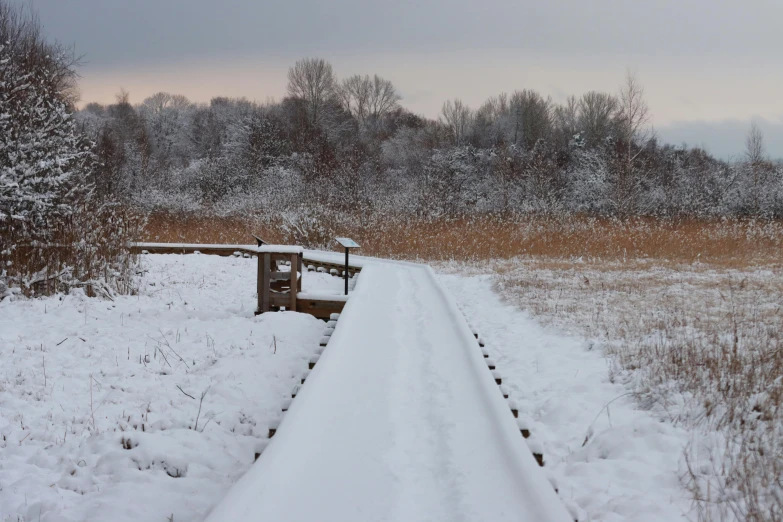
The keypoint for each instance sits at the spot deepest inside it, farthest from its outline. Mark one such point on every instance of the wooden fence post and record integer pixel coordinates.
(294, 283)
(265, 280)
(260, 284)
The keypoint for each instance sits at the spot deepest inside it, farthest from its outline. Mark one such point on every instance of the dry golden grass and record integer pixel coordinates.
(88, 250)
(726, 243)
(701, 344)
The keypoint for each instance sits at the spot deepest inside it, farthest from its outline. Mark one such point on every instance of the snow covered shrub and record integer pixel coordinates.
(55, 232)
(4, 291)
(307, 227)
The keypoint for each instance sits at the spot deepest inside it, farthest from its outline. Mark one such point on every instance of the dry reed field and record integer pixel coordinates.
(701, 345)
(719, 242)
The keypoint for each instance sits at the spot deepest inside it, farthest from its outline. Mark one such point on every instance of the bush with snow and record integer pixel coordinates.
(56, 232)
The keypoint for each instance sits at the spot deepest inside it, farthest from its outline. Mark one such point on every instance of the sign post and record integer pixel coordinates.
(348, 244)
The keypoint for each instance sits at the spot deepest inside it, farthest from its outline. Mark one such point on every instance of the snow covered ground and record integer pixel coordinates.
(613, 461)
(99, 400)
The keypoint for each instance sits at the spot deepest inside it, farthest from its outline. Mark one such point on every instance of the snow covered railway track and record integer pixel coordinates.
(399, 419)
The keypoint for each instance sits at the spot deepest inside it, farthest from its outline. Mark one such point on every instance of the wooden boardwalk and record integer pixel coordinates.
(277, 289)
(397, 418)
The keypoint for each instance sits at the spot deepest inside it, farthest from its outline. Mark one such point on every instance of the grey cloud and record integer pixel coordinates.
(118, 32)
(711, 40)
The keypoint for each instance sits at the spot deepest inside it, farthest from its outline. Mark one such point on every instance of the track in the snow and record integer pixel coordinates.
(399, 420)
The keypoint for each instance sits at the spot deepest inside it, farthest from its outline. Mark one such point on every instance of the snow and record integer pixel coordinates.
(196, 246)
(347, 242)
(276, 249)
(104, 432)
(281, 249)
(629, 468)
(323, 296)
(399, 421)
(338, 258)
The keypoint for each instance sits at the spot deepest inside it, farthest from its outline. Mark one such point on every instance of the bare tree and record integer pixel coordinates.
(488, 120)
(383, 97)
(457, 117)
(312, 80)
(163, 100)
(354, 94)
(754, 152)
(366, 97)
(596, 111)
(157, 102)
(633, 118)
(754, 145)
(531, 115)
(22, 37)
(635, 133)
(565, 118)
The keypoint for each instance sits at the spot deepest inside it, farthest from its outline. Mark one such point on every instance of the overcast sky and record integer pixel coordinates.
(708, 66)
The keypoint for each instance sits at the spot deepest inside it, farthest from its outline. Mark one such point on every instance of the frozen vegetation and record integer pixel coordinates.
(697, 346)
(146, 406)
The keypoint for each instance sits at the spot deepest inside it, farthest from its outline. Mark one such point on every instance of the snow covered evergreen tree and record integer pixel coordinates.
(53, 234)
(44, 162)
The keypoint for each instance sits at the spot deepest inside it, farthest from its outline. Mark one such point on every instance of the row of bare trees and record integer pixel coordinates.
(312, 81)
(524, 118)
(348, 143)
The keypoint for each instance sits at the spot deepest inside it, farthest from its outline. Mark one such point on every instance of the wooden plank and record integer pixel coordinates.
(280, 300)
(225, 251)
(267, 262)
(337, 306)
(320, 309)
(294, 263)
(260, 285)
(299, 269)
(352, 270)
(280, 276)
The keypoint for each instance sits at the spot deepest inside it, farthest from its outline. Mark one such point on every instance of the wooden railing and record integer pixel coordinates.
(276, 289)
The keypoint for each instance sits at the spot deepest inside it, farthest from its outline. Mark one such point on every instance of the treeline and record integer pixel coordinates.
(348, 144)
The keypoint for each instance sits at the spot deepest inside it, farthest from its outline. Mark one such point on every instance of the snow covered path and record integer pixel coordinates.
(399, 421)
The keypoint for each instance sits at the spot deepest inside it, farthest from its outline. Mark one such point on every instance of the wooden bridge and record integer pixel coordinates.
(277, 286)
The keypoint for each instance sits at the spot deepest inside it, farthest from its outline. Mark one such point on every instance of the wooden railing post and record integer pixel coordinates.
(294, 283)
(266, 281)
(299, 269)
(260, 284)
